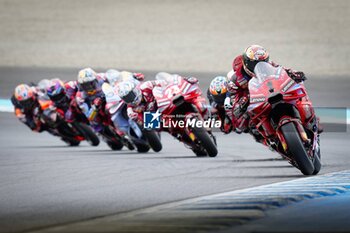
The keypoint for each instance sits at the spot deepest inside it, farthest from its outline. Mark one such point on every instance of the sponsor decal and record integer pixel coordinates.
(256, 100)
(288, 85)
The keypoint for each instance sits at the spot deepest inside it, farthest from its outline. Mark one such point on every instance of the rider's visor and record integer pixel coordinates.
(220, 98)
(27, 104)
(130, 97)
(59, 99)
(89, 87)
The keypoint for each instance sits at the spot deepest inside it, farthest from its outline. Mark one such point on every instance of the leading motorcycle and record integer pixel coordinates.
(282, 117)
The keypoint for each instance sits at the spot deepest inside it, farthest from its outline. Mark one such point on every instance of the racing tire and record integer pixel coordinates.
(317, 160)
(142, 148)
(296, 149)
(206, 142)
(90, 136)
(200, 153)
(153, 140)
(115, 145)
(71, 141)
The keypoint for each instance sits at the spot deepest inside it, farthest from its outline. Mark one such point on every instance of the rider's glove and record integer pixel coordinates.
(139, 76)
(151, 106)
(97, 103)
(131, 114)
(227, 103)
(191, 80)
(297, 76)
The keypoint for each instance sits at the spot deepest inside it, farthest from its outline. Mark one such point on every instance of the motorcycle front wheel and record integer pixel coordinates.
(153, 140)
(317, 159)
(89, 135)
(206, 142)
(296, 149)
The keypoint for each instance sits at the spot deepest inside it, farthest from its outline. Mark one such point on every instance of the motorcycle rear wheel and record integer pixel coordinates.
(153, 140)
(115, 145)
(71, 141)
(296, 149)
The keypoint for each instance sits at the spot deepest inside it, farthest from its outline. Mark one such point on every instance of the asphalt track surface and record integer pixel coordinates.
(45, 183)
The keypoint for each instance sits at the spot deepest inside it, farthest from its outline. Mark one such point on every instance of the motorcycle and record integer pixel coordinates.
(143, 139)
(181, 105)
(70, 132)
(114, 138)
(282, 116)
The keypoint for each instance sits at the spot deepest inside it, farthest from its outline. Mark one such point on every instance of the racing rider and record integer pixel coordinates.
(243, 70)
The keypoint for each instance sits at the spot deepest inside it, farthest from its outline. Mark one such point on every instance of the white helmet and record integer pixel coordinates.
(87, 80)
(113, 76)
(43, 85)
(165, 76)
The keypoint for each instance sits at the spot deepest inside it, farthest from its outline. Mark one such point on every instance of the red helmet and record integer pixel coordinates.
(251, 56)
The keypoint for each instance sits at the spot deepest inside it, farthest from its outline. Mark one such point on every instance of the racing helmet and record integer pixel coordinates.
(129, 93)
(43, 85)
(218, 89)
(251, 56)
(164, 76)
(57, 92)
(25, 96)
(112, 76)
(87, 81)
(126, 76)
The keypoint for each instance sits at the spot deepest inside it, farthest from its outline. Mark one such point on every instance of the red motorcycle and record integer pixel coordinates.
(182, 115)
(282, 116)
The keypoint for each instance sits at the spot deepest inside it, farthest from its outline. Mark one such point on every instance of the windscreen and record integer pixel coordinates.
(264, 70)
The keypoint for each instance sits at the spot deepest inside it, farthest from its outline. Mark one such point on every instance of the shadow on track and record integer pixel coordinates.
(268, 167)
(258, 160)
(175, 157)
(46, 146)
(258, 177)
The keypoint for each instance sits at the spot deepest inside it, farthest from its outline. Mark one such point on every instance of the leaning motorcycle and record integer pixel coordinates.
(71, 132)
(114, 138)
(181, 101)
(143, 139)
(282, 116)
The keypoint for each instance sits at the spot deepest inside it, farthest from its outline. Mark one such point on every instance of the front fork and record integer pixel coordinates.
(299, 127)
